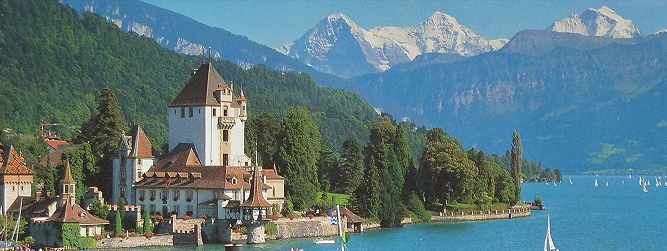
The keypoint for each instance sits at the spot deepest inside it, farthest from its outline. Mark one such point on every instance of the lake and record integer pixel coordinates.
(619, 216)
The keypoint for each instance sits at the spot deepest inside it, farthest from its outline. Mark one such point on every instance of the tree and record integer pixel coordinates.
(298, 155)
(516, 164)
(148, 223)
(351, 168)
(118, 223)
(100, 210)
(262, 130)
(103, 132)
(328, 167)
(447, 171)
(384, 176)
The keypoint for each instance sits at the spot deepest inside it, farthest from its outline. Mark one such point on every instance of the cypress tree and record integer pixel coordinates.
(262, 129)
(516, 163)
(298, 155)
(118, 223)
(148, 224)
(103, 132)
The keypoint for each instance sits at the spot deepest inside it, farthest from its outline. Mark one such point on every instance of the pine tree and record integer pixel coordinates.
(263, 130)
(516, 164)
(351, 167)
(103, 132)
(298, 155)
(328, 167)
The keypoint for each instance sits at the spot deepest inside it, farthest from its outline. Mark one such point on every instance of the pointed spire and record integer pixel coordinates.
(256, 198)
(67, 178)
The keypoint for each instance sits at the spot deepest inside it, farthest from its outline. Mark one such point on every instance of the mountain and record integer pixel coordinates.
(577, 109)
(661, 31)
(55, 62)
(540, 42)
(339, 46)
(185, 35)
(602, 22)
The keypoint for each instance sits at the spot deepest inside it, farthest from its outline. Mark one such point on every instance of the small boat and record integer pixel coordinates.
(570, 181)
(596, 182)
(606, 184)
(548, 241)
(325, 241)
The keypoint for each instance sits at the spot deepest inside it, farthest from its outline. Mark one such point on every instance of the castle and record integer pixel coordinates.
(206, 168)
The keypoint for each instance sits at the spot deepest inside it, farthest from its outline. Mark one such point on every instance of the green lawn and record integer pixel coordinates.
(337, 198)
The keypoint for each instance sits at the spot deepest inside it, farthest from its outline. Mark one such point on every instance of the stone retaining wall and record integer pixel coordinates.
(483, 215)
(136, 241)
(305, 228)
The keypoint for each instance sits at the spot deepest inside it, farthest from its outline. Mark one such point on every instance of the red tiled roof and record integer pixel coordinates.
(73, 213)
(55, 144)
(141, 145)
(199, 91)
(11, 162)
(272, 174)
(256, 198)
(181, 155)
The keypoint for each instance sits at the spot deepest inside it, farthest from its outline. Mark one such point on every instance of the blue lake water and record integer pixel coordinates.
(619, 216)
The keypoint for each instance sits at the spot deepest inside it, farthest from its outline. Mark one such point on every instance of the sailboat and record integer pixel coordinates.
(570, 181)
(548, 241)
(596, 182)
(606, 184)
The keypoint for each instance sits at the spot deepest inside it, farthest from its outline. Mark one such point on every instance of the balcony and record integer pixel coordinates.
(226, 123)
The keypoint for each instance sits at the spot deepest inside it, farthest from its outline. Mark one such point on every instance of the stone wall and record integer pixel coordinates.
(137, 241)
(519, 211)
(305, 228)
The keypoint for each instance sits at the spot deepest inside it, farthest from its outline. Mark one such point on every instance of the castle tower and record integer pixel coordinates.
(206, 114)
(134, 158)
(68, 187)
(255, 210)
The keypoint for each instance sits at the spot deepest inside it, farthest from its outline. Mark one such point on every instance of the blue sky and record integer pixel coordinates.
(274, 22)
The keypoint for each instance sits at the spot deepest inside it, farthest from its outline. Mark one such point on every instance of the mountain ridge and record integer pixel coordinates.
(336, 36)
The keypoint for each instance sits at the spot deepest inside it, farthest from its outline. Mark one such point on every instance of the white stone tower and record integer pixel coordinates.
(134, 158)
(206, 114)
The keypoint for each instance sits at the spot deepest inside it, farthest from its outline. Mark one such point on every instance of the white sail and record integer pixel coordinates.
(570, 181)
(548, 241)
(596, 182)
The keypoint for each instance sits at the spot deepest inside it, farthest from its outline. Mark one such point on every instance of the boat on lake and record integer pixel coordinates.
(548, 241)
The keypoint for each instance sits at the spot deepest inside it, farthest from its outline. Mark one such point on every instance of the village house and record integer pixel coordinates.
(16, 177)
(47, 230)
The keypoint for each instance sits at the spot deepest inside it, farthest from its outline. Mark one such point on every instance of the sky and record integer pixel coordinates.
(278, 22)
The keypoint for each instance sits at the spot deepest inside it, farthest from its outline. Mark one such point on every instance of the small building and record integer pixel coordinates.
(48, 231)
(354, 222)
(15, 177)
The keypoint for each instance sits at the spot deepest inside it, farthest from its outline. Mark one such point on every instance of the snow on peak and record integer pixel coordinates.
(601, 22)
(383, 47)
(661, 31)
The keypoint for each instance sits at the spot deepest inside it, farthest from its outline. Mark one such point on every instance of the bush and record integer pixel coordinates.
(271, 229)
(72, 239)
(538, 200)
(416, 207)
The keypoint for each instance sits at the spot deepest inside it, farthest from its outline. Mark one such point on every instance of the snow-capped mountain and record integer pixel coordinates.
(602, 22)
(340, 46)
(661, 31)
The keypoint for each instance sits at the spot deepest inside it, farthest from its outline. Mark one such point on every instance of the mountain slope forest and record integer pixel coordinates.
(185, 35)
(54, 63)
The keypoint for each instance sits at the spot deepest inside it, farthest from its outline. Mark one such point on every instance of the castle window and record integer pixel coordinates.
(177, 194)
(225, 159)
(214, 111)
(153, 197)
(139, 161)
(165, 211)
(188, 196)
(234, 180)
(176, 209)
(141, 195)
(225, 135)
(152, 209)
(182, 112)
(224, 112)
(13, 188)
(190, 112)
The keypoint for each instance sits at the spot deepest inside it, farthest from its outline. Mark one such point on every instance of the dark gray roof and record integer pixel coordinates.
(201, 87)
